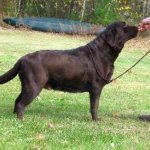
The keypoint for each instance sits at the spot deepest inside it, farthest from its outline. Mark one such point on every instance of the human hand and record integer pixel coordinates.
(144, 25)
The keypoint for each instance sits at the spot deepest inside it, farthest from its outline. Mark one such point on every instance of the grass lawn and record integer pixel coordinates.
(57, 120)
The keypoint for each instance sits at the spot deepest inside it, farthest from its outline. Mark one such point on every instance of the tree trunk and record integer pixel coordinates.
(71, 8)
(21, 6)
(83, 10)
(148, 8)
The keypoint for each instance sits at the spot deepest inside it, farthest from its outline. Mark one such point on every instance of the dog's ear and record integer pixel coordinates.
(110, 37)
(113, 39)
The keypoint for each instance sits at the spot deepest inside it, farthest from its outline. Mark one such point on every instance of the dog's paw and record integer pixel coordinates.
(20, 117)
(97, 119)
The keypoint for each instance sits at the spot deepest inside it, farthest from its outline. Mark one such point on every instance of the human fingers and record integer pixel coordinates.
(141, 29)
(144, 28)
(146, 21)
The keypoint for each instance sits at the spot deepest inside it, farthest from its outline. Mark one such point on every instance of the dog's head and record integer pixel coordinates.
(116, 34)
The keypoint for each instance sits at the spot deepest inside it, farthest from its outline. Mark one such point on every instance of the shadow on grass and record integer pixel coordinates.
(55, 112)
(121, 116)
(64, 110)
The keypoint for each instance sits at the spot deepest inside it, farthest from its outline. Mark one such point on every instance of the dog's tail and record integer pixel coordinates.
(10, 74)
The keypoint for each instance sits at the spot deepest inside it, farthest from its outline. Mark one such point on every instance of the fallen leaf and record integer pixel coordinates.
(115, 114)
(50, 125)
(40, 137)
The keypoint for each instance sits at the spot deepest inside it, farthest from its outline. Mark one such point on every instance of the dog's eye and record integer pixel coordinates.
(125, 29)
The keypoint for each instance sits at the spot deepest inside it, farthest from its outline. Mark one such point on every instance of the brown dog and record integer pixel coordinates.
(84, 69)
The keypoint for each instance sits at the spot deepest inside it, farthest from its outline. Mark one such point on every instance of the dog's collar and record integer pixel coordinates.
(114, 79)
(95, 66)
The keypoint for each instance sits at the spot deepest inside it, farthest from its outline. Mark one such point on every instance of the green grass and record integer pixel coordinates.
(57, 120)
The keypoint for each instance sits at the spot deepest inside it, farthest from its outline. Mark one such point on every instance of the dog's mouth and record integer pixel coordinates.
(133, 32)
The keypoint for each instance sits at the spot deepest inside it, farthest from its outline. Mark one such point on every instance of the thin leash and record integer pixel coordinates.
(114, 79)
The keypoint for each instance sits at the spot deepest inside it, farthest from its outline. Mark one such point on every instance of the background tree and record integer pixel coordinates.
(94, 11)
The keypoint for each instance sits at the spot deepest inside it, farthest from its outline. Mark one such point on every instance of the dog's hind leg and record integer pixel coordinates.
(16, 102)
(32, 85)
(24, 99)
(33, 78)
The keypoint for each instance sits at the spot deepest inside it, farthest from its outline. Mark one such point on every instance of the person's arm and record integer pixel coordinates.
(144, 24)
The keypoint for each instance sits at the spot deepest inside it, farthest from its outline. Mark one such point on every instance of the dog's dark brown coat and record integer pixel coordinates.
(71, 70)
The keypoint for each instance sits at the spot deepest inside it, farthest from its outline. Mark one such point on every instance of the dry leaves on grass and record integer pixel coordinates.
(40, 137)
(139, 43)
(115, 114)
(50, 125)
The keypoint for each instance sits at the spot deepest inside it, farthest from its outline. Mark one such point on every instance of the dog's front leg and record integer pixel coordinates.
(94, 102)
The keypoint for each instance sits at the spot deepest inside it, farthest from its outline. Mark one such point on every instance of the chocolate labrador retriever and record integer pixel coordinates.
(84, 69)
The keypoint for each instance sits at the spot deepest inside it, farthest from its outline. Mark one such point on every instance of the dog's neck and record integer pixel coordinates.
(104, 57)
(114, 51)
(101, 47)
(101, 61)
